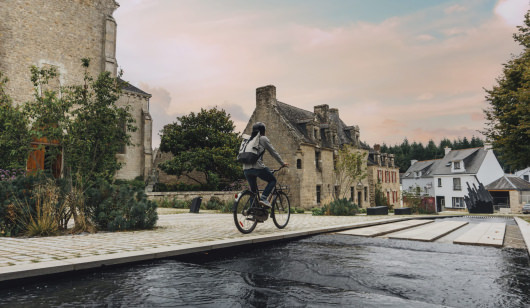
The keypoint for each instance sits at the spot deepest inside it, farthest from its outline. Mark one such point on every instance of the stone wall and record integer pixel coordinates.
(54, 33)
(137, 157)
(59, 33)
(226, 196)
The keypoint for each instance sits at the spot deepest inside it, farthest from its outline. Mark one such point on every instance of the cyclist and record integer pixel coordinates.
(258, 169)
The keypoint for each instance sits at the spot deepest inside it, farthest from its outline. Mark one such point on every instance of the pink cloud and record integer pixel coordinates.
(385, 77)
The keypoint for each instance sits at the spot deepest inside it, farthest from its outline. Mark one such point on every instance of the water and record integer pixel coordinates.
(319, 271)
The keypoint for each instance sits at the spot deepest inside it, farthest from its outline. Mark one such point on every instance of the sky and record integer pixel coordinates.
(414, 69)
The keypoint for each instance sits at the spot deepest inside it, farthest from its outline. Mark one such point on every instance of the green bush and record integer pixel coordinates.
(318, 211)
(297, 210)
(138, 182)
(342, 207)
(213, 204)
(362, 210)
(115, 208)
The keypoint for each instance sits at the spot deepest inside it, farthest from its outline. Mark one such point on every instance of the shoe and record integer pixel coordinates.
(265, 203)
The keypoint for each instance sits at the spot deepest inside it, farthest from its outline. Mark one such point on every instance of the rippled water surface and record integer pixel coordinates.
(323, 270)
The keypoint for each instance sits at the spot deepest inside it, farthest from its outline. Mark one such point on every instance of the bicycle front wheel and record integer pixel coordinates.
(245, 222)
(282, 210)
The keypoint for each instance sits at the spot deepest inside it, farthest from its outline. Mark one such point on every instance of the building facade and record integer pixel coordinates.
(58, 34)
(383, 173)
(309, 142)
(447, 179)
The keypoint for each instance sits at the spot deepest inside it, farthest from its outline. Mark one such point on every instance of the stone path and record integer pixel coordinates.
(175, 234)
(484, 234)
(429, 232)
(386, 228)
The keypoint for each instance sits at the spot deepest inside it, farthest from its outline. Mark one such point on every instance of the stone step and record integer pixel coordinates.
(430, 232)
(484, 234)
(386, 228)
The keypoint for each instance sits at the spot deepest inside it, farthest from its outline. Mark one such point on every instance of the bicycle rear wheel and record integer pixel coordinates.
(281, 210)
(245, 223)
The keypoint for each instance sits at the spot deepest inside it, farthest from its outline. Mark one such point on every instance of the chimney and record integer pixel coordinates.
(377, 147)
(321, 111)
(334, 111)
(412, 162)
(447, 150)
(266, 96)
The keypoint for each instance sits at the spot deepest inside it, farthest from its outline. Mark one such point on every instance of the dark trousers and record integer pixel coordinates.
(264, 174)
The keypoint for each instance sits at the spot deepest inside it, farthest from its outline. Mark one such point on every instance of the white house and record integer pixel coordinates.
(447, 179)
(419, 177)
(523, 174)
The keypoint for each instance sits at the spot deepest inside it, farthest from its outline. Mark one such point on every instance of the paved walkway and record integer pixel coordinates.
(175, 234)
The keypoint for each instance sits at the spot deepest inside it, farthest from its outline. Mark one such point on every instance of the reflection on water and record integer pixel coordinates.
(323, 270)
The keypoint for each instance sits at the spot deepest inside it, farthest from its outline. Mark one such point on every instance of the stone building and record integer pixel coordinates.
(383, 172)
(309, 142)
(59, 33)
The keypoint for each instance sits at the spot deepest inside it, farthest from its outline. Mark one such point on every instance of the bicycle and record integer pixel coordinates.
(248, 212)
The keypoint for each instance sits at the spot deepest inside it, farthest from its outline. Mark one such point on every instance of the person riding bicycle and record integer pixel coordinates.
(258, 169)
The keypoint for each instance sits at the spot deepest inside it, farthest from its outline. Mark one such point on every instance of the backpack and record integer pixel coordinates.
(249, 150)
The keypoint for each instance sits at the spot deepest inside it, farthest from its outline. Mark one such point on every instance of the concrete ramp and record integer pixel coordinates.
(484, 234)
(430, 232)
(386, 228)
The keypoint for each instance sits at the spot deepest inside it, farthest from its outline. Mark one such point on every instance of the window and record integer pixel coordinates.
(525, 177)
(458, 202)
(352, 193)
(439, 182)
(366, 194)
(317, 160)
(337, 191)
(299, 164)
(457, 165)
(456, 184)
(318, 194)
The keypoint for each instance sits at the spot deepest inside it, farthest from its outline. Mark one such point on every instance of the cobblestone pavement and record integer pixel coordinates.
(172, 229)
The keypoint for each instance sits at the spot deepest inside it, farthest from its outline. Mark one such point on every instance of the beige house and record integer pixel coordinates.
(59, 33)
(309, 142)
(509, 193)
(383, 172)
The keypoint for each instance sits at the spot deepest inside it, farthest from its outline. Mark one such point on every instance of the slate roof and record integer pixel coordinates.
(298, 119)
(129, 87)
(507, 182)
(472, 159)
(427, 168)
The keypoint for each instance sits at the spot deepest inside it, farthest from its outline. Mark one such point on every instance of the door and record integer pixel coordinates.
(440, 203)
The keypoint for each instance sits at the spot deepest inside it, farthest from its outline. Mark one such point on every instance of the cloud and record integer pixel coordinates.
(425, 70)
(159, 108)
(455, 9)
(512, 11)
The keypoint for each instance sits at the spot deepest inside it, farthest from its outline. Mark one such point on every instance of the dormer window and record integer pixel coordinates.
(456, 165)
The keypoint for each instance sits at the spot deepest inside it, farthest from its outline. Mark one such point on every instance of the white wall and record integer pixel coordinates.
(490, 170)
(447, 190)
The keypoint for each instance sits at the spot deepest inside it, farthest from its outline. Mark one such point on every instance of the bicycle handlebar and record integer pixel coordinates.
(276, 170)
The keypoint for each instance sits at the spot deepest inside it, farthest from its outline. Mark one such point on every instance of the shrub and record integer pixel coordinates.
(115, 208)
(342, 207)
(362, 210)
(318, 211)
(137, 183)
(214, 204)
(227, 207)
(297, 210)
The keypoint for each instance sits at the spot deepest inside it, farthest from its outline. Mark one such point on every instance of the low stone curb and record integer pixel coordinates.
(524, 227)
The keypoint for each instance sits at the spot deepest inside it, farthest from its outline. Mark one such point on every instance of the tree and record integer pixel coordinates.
(83, 123)
(349, 169)
(14, 132)
(508, 114)
(204, 142)
(98, 129)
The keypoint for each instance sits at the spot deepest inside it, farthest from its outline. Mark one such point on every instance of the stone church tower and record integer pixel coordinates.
(59, 33)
